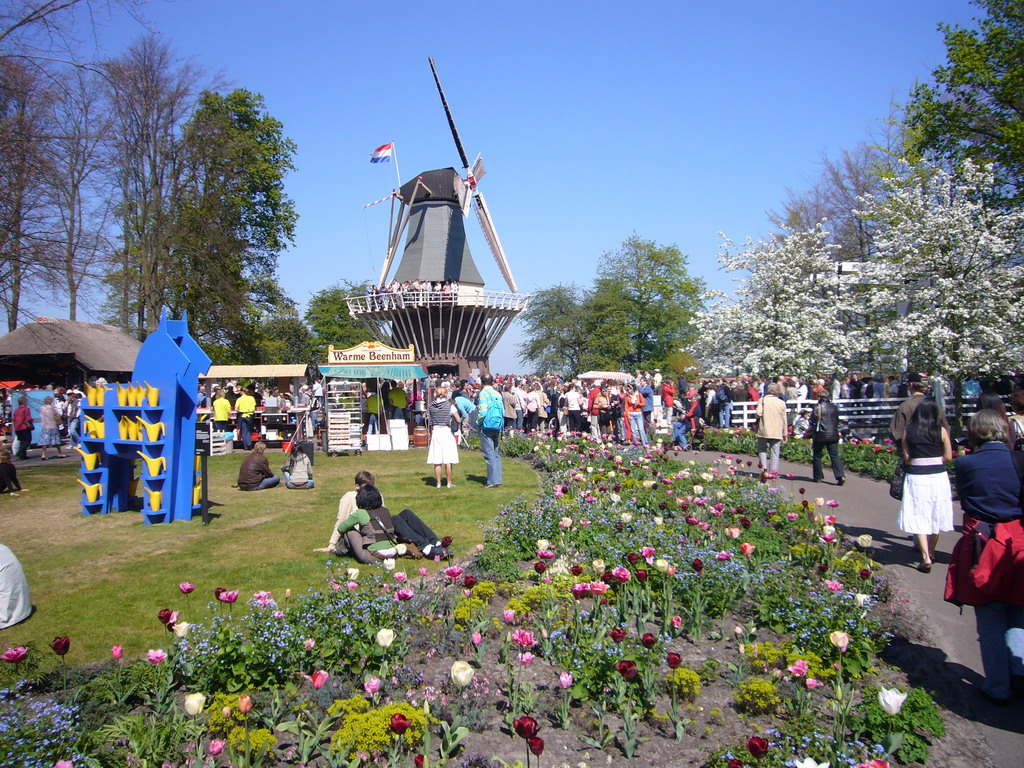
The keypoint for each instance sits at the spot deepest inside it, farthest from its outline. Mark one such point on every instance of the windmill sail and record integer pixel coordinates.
(491, 234)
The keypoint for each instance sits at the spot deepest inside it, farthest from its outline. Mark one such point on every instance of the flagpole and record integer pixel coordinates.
(398, 174)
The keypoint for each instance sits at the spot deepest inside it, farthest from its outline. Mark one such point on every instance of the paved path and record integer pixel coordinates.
(948, 646)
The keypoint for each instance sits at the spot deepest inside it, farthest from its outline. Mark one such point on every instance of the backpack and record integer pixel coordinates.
(494, 416)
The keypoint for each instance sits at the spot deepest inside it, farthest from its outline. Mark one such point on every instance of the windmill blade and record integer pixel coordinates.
(492, 238)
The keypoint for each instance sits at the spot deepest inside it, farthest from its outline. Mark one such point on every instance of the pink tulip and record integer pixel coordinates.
(677, 622)
(404, 594)
(16, 654)
(63, 764)
(747, 548)
(833, 586)
(477, 638)
(399, 576)
(116, 651)
(228, 597)
(723, 556)
(157, 656)
(309, 643)
(216, 747)
(732, 533)
(318, 679)
(453, 573)
(423, 571)
(372, 685)
(186, 587)
(798, 668)
(565, 680)
(812, 683)
(509, 616)
(523, 638)
(526, 658)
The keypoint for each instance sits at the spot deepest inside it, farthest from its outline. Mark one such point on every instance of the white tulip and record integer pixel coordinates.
(864, 540)
(462, 674)
(194, 704)
(181, 629)
(352, 573)
(385, 638)
(809, 762)
(891, 700)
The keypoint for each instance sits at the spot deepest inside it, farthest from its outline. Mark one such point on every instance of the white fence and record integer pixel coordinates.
(863, 417)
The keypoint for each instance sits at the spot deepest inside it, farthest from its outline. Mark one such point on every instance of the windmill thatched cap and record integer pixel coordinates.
(441, 183)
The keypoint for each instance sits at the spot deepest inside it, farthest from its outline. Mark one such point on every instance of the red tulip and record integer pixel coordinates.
(865, 573)
(641, 575)
(744, 522)
(61, 645)
(673, 660)
(539, 567)
(617, 635)
(536, 745)
(736, 762)
(627, 668)
(400, 723)
(649, 640)
(469, 582)
(698, 565)
(576, 570)
(418, 761)
(218, 592)
(757, 746)
(526, 727)
(632, 558)
(446, 542)
(318, 679)
(164, 615)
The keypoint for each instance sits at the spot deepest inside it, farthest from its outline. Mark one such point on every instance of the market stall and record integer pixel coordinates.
(276, 428)
(356, 378)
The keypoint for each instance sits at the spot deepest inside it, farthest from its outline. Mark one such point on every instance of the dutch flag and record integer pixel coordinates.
(382, 154)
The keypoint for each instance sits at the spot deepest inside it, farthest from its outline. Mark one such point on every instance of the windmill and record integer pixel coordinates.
(456, 329)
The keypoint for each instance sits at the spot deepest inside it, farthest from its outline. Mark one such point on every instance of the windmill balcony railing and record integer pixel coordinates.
(415, 299)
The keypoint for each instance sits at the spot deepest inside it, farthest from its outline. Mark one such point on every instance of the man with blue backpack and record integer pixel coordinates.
(491, 414)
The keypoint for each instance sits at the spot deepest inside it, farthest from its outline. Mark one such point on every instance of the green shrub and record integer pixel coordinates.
(757, 696)
(371, 732)
(684, 683)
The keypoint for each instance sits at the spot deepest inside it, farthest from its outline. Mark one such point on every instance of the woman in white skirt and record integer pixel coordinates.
(442, 449)
(927, 508)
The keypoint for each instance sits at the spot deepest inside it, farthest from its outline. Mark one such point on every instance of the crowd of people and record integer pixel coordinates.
(411, 293)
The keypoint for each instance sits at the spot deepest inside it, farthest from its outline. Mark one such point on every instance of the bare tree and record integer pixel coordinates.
(24, 227)
(152, 93)
(80, 190)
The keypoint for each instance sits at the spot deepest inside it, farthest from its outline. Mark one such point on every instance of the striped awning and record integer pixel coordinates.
(396, 371)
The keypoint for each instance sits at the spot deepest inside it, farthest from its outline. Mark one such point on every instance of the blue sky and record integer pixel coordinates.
(596, 120)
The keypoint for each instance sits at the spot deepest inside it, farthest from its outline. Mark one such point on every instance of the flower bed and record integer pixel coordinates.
(677, 614)
(865, 456)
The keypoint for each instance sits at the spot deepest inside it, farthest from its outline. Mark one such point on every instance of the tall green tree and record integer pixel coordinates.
(975, 108)
(329, 320)
(659, 297)
(232, 217)
(555, 327)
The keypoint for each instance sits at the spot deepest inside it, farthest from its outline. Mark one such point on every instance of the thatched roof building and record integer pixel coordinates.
(66, 352)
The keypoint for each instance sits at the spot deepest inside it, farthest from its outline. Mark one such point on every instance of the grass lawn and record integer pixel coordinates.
(102, 579)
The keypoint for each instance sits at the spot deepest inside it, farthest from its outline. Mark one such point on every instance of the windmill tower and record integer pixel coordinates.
(454, 328)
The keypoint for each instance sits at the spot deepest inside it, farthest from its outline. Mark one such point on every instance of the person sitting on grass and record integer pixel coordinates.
(8, 475)
(368, 533)
(255, 473)
(297, 471)
(347, 506)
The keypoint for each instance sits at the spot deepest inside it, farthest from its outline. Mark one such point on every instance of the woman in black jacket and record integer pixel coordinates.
(824, 434)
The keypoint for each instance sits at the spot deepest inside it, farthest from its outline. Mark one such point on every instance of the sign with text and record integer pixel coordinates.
(369, 353)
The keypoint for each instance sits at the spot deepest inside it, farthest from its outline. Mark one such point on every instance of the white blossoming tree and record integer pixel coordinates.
(787, 315)
(946, 281)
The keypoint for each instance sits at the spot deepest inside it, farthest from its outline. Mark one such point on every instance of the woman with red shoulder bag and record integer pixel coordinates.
(987, 565)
